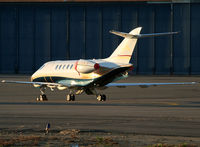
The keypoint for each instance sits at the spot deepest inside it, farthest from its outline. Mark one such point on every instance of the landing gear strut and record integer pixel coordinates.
(101, 97)
(42, 96)
(70, 97)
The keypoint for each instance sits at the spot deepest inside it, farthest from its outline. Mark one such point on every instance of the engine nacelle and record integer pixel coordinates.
(85, 66)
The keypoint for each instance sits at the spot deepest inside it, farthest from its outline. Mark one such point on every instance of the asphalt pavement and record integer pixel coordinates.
(172, 110)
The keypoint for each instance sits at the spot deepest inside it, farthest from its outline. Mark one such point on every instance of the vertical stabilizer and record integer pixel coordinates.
(124, 51)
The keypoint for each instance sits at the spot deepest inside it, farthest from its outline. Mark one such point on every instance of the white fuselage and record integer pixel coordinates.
(73, 72)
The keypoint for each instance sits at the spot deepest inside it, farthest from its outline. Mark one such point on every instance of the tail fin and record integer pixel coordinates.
(124, 51)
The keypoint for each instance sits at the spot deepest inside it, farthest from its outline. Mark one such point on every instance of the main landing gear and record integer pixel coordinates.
(70, 97)
(42, 96)
(101, 97)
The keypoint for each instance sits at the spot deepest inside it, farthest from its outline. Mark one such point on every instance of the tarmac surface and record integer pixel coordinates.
(133, 116)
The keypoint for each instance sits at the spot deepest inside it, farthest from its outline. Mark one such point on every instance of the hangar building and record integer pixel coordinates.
(35, 31)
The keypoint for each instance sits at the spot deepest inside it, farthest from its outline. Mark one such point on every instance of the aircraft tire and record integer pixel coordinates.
(101, 97)
(42, 97)
(70, 97)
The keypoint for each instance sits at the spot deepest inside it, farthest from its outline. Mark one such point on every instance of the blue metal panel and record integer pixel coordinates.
(182, 41)
(32, 35)
(111, 21)
(93, 28)
(59, 34)
(129, 22)
(195, 35)
(162, 44)
(26, 40)
(77, 27)
(8, 46)
(42, 36)
(146, 45)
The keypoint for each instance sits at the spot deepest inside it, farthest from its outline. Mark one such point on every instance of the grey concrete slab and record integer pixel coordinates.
(162, 111)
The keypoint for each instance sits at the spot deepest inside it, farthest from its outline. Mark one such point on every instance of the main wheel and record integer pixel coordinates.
(73, 97)
(101, 97)
(70, 97)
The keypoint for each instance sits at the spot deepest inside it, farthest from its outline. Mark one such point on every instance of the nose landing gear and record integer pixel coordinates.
(42, 96)
(70, 97)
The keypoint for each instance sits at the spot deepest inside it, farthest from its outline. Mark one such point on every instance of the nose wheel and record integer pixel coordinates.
(101, 97)
(42, 97)
(70, 97)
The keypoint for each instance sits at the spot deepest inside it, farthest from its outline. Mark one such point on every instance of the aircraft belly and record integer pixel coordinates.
(64, 81)
(76, 82)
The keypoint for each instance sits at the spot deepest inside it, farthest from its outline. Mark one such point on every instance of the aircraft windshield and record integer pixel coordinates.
(41, 67)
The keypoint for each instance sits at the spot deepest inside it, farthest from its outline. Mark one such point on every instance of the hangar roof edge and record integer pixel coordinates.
(151, 1)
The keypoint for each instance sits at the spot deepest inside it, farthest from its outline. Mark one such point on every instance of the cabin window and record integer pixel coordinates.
(56, 67)
(67, 66)
(71, 66)
(60, 66)
(63, 66)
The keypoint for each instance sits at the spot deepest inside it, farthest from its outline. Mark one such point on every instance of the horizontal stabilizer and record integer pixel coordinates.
(134, 36)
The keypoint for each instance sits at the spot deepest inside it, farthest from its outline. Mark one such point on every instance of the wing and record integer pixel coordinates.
(145, 85)
(35, 83)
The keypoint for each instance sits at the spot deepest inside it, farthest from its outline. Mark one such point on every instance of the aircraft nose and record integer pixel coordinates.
(33, 76)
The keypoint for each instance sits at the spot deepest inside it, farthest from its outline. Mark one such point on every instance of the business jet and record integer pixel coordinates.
(88, 76)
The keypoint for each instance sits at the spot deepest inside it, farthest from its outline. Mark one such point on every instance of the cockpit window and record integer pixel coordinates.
(67, 66)
(41, 67)
(63, 66)
(60, 66)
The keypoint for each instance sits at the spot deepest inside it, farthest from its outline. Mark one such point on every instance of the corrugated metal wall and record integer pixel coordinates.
(31, 34)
